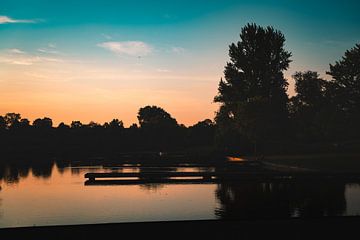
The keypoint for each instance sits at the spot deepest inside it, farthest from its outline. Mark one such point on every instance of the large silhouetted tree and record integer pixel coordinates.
(253, 94)
(346, 77)
(344, 91)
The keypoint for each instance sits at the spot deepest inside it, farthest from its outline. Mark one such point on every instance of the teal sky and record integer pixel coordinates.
(112, 57)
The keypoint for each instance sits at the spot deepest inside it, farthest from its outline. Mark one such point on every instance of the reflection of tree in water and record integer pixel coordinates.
(152, 187)
(75, 171)
(13, 171)
(262, 200)
(62, 165)
(43, 169)
(318, 198)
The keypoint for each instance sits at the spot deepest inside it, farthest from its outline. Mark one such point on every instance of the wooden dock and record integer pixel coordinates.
(148, 177)
(212, 177)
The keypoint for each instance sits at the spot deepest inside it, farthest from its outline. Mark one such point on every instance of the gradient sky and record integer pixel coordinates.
(99, 60)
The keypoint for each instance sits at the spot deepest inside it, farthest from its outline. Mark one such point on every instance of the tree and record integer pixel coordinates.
(63, 126)
(24, 123)
(45, 123)
(207, 123)
(159, 130)
(12, 120)
(346, 78)
(94, 125)
(76, 125)
(155, 117)
(310, 89)
(344, 91)
(308, 107)
(133, 126)
(114, 124)
(202, 133)
(253, 95)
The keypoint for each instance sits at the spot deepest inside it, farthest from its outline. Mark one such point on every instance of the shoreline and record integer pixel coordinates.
(295, 228)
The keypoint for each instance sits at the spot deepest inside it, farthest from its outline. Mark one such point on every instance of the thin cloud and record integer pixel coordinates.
(131, 48)
(26, 59)
(50, 49)
(45, 50)
(178, 50)
(6, 19)
(16, 51)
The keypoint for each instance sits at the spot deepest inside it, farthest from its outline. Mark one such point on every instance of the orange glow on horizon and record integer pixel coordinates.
(85, 91)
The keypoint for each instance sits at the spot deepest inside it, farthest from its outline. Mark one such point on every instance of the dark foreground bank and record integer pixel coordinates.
(314, 228)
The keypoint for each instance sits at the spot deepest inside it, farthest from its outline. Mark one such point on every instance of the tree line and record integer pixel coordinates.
(156, 131)
(255, 115)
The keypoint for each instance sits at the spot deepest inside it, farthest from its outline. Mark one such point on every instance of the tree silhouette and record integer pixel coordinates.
(62, 126)
(45, 123)
(346, 77)
(202, 133)
(24, 123)
(133, 126)
(253, 95)
(159, 130)
(308, 106)
(93, 125)
(344, 90)
(114, 124)
(76, 124)
(310, 89)
(155, 117)
(12, 120)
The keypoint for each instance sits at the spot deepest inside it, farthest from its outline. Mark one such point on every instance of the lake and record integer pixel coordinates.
(50, 194)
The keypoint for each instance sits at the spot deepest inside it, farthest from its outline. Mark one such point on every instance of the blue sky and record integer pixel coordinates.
(115, 56)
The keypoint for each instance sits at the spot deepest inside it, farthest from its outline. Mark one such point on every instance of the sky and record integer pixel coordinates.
(100, 60)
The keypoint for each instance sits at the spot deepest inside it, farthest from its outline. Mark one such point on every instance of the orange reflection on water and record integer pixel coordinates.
(236, 159)
(62, 198)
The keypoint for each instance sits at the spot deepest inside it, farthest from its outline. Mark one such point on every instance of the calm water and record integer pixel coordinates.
(49, 195)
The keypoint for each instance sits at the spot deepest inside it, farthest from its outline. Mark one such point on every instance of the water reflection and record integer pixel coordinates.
(267, 200)
(152, 187)
(54, 191)
(11, 173)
